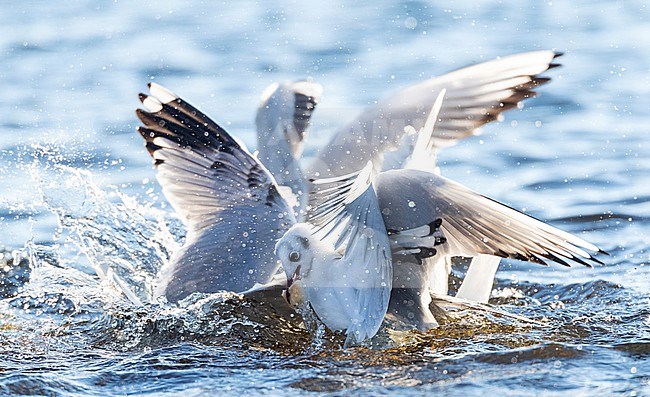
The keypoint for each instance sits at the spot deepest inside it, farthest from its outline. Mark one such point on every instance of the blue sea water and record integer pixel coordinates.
(78, 190)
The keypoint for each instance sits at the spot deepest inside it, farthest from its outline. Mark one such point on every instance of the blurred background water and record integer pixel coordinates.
(77, 190)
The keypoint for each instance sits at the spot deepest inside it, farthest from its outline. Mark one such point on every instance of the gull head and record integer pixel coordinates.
(295, 252)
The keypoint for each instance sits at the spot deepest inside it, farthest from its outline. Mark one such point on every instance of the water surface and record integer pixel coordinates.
(78, 190)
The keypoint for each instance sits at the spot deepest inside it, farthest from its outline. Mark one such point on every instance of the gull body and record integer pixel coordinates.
(315, 277)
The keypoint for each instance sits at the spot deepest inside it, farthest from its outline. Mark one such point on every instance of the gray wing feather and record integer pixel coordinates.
(346, 211)
(475, 96)
(288, 107)
(282, 121)
(474, 224)
(226, 198)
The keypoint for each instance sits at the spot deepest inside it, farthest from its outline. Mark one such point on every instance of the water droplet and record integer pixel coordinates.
(411, 203)
(410, 22)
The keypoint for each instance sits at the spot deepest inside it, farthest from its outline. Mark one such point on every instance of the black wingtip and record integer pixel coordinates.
(426, 252)
(435, 225)
(598, 261)
(581, 261)
(554, 65)
(557, 259)
(149, 85)
(558, 54)
(539, 80)
(142, 131)
(391, 232)
(532, 258)
(152, 148)
(142, 115)
(142, 97)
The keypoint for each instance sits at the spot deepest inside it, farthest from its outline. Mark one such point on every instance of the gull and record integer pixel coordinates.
(377, 231)
(340, 262)
(386, 135)
(427, 218)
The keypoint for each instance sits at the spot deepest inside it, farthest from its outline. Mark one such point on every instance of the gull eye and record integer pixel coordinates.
(294, 256)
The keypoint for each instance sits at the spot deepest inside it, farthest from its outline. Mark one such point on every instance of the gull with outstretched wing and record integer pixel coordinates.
(430, 218)
(386, 133)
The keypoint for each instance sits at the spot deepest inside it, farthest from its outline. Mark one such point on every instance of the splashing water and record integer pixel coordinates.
(124, 242)
(120, 247)
(109, 243)
(103, 293)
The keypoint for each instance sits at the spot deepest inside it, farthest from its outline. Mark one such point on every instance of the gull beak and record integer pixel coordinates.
(294, 277)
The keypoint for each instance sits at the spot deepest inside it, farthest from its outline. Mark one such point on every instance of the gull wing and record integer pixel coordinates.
(475, 96)
(282, 121)
(474, 224)
(423, 153)
(229, 202)
(288, 107)
(346, 213)
(479, 279)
